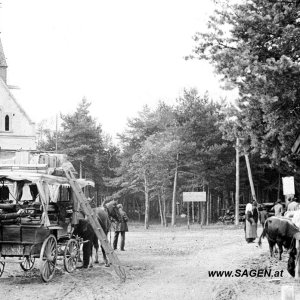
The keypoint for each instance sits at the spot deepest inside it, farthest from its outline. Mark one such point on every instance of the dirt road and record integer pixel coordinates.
(163, 264)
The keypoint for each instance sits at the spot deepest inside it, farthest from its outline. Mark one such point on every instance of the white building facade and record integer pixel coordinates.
(17, 131)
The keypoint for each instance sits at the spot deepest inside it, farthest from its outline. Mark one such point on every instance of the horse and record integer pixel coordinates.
(106, 213)
(84, 229)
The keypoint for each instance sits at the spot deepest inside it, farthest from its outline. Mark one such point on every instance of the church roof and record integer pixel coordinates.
(4, 86)
(2, 57)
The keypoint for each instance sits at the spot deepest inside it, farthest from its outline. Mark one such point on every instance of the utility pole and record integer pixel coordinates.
(250, 176)
(237, 182)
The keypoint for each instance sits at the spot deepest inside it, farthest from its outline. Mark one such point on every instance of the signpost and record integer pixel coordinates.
(192, 197)
(288, 185)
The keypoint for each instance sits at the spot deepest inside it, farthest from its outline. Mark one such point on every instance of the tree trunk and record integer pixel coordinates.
(278, 193)
(164, 210)
(210, 217)
(146, 201)
(202, 213)
(188, 214)
(237, 183)
(207, 206)
(174, 193)
(162, 221)
(193, 213)
(250, 177)
(218, 207)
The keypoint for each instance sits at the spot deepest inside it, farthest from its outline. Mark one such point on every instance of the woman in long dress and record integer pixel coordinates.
(251, 218)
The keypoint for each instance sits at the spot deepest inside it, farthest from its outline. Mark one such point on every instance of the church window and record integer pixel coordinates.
(7, 123)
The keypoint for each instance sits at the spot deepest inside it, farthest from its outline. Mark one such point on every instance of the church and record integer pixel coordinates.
(17, 130)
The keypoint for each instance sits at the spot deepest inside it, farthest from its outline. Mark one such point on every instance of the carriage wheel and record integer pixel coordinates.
(27, 263)
(71, 255)
(48, 258)
(2, 266)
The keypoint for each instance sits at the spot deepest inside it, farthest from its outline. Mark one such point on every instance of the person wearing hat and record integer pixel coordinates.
(278, 208)
(121, 227)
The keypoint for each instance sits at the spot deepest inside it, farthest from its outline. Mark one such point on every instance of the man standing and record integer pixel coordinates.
(293, 205)
(263, 215)
(121, 227)
(278, 208)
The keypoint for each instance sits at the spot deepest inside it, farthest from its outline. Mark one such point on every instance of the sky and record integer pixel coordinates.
(120, 55)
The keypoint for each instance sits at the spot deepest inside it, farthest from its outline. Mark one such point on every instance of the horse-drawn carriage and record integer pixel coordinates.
(37, 209)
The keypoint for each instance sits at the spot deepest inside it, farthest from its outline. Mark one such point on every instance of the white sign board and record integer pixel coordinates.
(194, 196)
(288, 185)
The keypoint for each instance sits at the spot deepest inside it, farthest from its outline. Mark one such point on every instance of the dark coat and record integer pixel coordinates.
(122, 226)
(255, 214)
(263, 216)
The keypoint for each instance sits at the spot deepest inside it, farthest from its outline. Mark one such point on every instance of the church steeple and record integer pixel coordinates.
(3, 65)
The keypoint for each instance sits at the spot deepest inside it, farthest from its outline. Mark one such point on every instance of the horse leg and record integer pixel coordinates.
(115, 242)
(271, 247)
(106, 263)
(86, 253)
(91, 256)
(280, 250)
(291, 265)
(122, 240)
(96, 246)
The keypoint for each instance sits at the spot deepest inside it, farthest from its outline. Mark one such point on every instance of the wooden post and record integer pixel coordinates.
(250, 177)
(188, 214)
(287, 292)
(237, 183)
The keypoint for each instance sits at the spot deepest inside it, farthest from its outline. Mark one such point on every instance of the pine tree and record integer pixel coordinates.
(82, 141)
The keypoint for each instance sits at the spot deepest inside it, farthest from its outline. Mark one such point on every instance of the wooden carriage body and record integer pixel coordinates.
(48, 206)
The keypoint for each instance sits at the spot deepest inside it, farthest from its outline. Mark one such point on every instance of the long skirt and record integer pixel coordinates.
(250, 231)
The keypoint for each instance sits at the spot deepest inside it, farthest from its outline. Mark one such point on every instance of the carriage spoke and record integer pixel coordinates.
(2, 266)
(49, 258)
(27, 263)
(71, 255)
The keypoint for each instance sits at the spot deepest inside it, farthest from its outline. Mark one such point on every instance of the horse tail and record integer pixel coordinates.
(263, 234)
